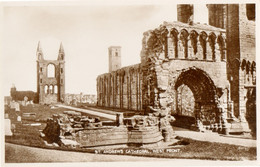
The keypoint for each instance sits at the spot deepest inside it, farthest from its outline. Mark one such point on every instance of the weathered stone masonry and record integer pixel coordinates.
(172, 55)
(121, 88)
(209, 69)
(50, 89)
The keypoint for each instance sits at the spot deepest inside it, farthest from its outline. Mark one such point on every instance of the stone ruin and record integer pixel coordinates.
(74, 130)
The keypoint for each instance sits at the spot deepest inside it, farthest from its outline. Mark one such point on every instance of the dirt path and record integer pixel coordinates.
(100, 114)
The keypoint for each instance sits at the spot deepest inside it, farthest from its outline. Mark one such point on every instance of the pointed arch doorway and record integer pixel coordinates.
(195, 97)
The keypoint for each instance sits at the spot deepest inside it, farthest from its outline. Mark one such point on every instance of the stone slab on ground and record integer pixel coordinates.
(8, 131)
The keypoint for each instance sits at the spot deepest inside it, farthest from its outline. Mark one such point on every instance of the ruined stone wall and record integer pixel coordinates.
(121, 88)
(174, 47)
(50, 89)
(177, 54)
(241, 54)
(167, 52)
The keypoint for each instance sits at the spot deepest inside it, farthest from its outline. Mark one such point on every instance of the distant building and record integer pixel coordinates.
(7, 100)
(50, 77)
(207, 72)
(73, 99)
(19, 95)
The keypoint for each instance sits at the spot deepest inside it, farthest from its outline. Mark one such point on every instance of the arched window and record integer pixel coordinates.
(174, 35)
(184, 38)
(212, 40)
(51, 89)
(46, 89)
(51, 71)
(221, 43)
(203, 43)
(39, 56)
(194, 40)
(55, 89)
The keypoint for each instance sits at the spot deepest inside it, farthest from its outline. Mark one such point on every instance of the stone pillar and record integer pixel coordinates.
(198, 126)
(209, 50)
(180, 50)
(190, 50)
(217, 52)
(223, 120)
(171, 50)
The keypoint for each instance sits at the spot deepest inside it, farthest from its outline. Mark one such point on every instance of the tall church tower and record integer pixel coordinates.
(114, 58)
(239, 22)
(50, 77)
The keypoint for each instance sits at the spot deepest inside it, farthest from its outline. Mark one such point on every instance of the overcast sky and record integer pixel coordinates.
(86, 32)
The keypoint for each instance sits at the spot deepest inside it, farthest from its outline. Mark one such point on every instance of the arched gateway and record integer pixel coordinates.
(183, 71)
(196, 96)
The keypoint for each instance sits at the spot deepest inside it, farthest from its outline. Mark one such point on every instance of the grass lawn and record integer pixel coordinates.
(30, 136)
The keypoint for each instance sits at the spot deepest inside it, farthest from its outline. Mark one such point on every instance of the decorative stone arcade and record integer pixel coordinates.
(177, 54)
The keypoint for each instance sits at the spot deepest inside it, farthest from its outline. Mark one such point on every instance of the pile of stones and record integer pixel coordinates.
(65, 126)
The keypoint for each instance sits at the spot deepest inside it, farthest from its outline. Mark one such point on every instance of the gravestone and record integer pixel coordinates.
(27, 103)
(23, 103)
(12, 104)
(17, 106)
(19, 119)
(119, 119)
(8, 131)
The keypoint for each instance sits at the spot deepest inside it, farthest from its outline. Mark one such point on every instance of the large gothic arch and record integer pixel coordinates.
(201, 85)
(204, 92)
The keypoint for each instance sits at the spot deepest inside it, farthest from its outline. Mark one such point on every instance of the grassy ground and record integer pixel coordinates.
(190, 149)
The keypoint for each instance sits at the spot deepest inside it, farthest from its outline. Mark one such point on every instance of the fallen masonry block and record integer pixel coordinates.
(68, 142)
(29, 114)
(34, 124)
(74, 130)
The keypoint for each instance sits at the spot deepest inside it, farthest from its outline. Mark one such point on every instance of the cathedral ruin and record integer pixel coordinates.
(50, 77)
(207, 72)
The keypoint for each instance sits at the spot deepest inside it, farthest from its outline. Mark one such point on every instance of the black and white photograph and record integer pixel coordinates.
(128, 83)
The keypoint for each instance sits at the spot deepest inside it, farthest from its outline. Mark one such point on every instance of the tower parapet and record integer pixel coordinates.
(114, 53)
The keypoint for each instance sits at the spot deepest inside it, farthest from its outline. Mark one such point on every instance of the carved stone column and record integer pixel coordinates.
(170, 47)
(223, 116)
(190, 50)
(198, 126)
(217, 52)
(180, 50)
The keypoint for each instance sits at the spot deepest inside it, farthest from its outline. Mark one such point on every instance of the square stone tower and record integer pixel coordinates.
(50, 77)
(114, 53)
(239, 22)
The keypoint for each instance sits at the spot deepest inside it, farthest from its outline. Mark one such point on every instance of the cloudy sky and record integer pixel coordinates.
(86, 31)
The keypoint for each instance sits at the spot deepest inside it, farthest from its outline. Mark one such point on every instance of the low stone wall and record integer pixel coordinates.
(145, 136)
(72, 129)
(102, 136)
